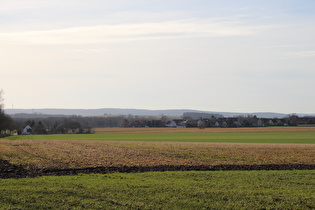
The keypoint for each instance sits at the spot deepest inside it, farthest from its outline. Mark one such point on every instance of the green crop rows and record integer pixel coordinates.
(164, 190)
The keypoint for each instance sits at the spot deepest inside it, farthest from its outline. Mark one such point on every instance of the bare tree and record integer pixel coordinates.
(1, 100)
(5, 121)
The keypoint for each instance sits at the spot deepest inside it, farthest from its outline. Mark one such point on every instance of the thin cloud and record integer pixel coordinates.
(302, 54)
(91, 50)
(130, 32)
(244, 8)
(283, 46)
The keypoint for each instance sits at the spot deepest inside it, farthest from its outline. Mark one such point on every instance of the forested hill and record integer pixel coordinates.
(114, 111)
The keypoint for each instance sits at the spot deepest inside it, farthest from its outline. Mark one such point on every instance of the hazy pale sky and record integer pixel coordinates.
(213, 55)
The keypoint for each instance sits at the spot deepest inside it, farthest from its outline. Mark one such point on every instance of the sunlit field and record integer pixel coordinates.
(119, 147)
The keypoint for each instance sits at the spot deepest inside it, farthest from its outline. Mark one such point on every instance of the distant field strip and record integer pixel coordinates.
(197, 130)
(296, 137)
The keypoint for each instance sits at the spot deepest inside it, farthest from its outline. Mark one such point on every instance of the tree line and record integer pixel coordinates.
(79, 124)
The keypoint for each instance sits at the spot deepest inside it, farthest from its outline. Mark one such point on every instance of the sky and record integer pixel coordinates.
(211, 55)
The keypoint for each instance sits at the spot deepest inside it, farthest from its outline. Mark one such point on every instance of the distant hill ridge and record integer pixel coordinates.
(115, 111)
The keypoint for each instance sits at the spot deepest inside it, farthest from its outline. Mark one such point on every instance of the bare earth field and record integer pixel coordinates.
(197, 130)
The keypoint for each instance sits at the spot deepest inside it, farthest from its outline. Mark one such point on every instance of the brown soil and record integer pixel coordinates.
(134, 169)
(8, 170)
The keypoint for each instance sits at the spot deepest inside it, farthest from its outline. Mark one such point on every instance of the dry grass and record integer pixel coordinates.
(78, 154)
(197, 130)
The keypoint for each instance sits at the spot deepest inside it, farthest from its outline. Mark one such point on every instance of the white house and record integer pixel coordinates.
(27, 130)
(177, 123)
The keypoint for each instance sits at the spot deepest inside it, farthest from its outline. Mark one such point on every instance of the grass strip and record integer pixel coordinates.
(163, 190)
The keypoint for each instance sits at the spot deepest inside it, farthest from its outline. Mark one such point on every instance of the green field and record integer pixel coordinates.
(305, 137)
(164, 190)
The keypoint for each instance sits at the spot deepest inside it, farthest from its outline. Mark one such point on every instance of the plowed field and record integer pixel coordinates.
(78, 154)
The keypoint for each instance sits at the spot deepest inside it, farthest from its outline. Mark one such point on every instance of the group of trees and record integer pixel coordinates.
(52, 125)
(42, 124)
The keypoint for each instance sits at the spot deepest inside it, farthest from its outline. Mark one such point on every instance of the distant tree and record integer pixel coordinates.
(71, 124)
(39, 128)
(30, 123)
(248, 121)
(293, 120)
(125, 123)
(157, 123)
(1, 99)
(231, 122)
(212, 121)
(6, 123)
(201, 124)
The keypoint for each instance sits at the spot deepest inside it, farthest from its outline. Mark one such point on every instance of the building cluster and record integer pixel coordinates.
(225, 122)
